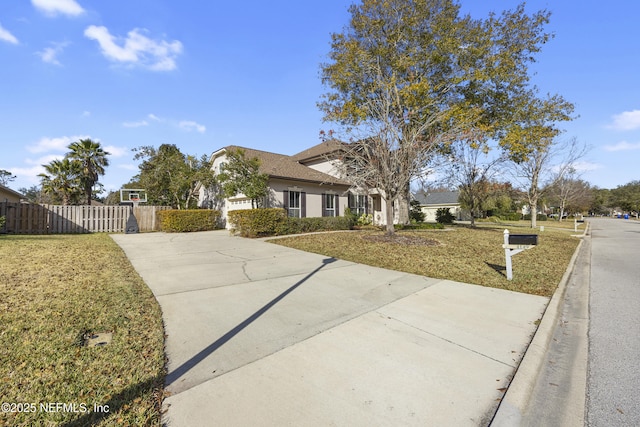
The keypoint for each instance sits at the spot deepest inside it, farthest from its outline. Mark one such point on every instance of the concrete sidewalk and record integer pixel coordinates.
(263, 335)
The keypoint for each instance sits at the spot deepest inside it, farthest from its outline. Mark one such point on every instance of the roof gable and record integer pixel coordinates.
(437, 198)
(285, 167)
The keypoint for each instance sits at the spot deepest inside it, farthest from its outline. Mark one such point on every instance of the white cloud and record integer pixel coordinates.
(136, 49)
(54, 7)
(55, 144)
(586, 166)
(154, 117)
(50, 54)
(86, 113)
(191, 126)
(628, 120)
(6, 36)
(135, 124)
(116, 151)
(622, 146)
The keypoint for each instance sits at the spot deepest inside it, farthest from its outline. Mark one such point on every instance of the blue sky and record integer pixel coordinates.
(203, 75)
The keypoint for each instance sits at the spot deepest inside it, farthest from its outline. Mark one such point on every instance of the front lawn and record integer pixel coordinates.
(460, 253)
(56, 291)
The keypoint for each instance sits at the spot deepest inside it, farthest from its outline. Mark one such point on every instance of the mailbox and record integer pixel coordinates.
(523, 239)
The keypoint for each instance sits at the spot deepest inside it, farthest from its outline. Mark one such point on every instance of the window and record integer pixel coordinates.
(358, 204)
(294, 204)
(329, 204)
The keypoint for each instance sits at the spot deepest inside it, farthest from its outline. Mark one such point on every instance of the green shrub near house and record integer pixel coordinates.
(183, 220)
(275, 221)
(2, 221)
(444, 216)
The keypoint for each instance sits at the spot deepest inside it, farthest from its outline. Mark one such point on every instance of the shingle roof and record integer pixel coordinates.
(318, 151)
(437, 198)
(286, 167)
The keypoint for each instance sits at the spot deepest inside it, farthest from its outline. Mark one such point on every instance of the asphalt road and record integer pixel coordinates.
(591, 370)
(613, 382)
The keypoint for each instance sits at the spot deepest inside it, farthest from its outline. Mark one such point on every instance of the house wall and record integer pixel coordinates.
(313, 194)
(326, 166)
(8, 196)
(430, 212)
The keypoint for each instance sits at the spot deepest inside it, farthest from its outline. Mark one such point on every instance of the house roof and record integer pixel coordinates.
(10, 191)
(319, 151)
(437, 198)
(286, 167)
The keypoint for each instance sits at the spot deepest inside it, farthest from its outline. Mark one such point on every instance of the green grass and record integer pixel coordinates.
(55, 289)
(462, 254)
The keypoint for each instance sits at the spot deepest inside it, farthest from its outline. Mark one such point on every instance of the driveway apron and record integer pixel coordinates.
(260, 334)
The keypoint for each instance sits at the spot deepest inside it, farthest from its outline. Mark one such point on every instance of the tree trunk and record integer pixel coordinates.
(391, 231)
(533, 209)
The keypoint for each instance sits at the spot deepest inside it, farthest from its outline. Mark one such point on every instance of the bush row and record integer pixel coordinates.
(274, 221)
(181, 220)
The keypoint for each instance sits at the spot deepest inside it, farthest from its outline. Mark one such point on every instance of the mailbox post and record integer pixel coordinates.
(577, 223)
(514, 244)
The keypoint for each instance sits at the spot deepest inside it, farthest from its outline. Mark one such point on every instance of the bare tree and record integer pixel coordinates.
(544, 166)
(570, 192)
(470, 166)
(386, 154)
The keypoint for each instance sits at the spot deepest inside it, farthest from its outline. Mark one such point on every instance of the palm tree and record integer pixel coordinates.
(92, 159)
(61, 179)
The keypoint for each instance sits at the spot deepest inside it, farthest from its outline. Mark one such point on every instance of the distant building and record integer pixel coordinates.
(430, 202)
(8, 195)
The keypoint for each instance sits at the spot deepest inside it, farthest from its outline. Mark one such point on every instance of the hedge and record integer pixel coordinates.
(182, 220)
(275, 221)
(539, 217)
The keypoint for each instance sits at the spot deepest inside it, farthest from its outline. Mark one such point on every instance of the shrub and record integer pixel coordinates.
(444, 216)
(310, 225)
(274, 221)
(2, 219)
(513, 216)
(257, 222)
(182, 220)
(419, 226)
(540, 217)
(365, 219)
(415, 213)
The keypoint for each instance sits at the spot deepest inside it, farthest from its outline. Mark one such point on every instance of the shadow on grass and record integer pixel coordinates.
(125, 397)
(498, 268)
(174, 375)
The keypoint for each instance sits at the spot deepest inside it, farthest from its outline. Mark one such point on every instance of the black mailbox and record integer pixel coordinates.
(523, 239)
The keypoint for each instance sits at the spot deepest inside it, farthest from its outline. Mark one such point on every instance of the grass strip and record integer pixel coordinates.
(56, 290)
(461, 254)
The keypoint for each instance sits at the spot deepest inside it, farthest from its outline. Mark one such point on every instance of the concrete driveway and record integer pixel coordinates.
(263, 335)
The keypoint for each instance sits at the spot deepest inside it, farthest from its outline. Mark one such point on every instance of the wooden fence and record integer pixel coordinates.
(31, 218)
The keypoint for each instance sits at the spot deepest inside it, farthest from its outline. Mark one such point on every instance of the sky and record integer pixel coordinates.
(203, 75)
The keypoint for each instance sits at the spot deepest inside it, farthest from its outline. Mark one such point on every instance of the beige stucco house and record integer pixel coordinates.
(306, 184)
(8, 195)
(430, 202)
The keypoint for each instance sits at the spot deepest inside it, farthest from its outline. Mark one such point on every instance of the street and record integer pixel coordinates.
(613, 384)
(591, 371)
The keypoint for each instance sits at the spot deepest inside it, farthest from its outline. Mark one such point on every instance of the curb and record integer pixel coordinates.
(516, 399)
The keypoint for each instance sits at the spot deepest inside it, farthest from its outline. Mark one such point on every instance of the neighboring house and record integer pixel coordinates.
(8, 195)
(430, 202)
(306, 184)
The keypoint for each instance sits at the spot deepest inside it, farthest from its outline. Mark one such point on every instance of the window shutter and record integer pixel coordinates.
(303, 204)
(324, 204)
(366, 205)
(285, 200)
(337, 212)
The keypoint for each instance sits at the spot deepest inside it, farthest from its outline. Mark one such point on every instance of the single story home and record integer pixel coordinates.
(8, 195)
(306, 184)
(430, 202)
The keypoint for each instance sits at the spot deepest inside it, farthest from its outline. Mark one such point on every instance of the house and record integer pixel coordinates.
(8, 195)
(430, 202)
(306, 184)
